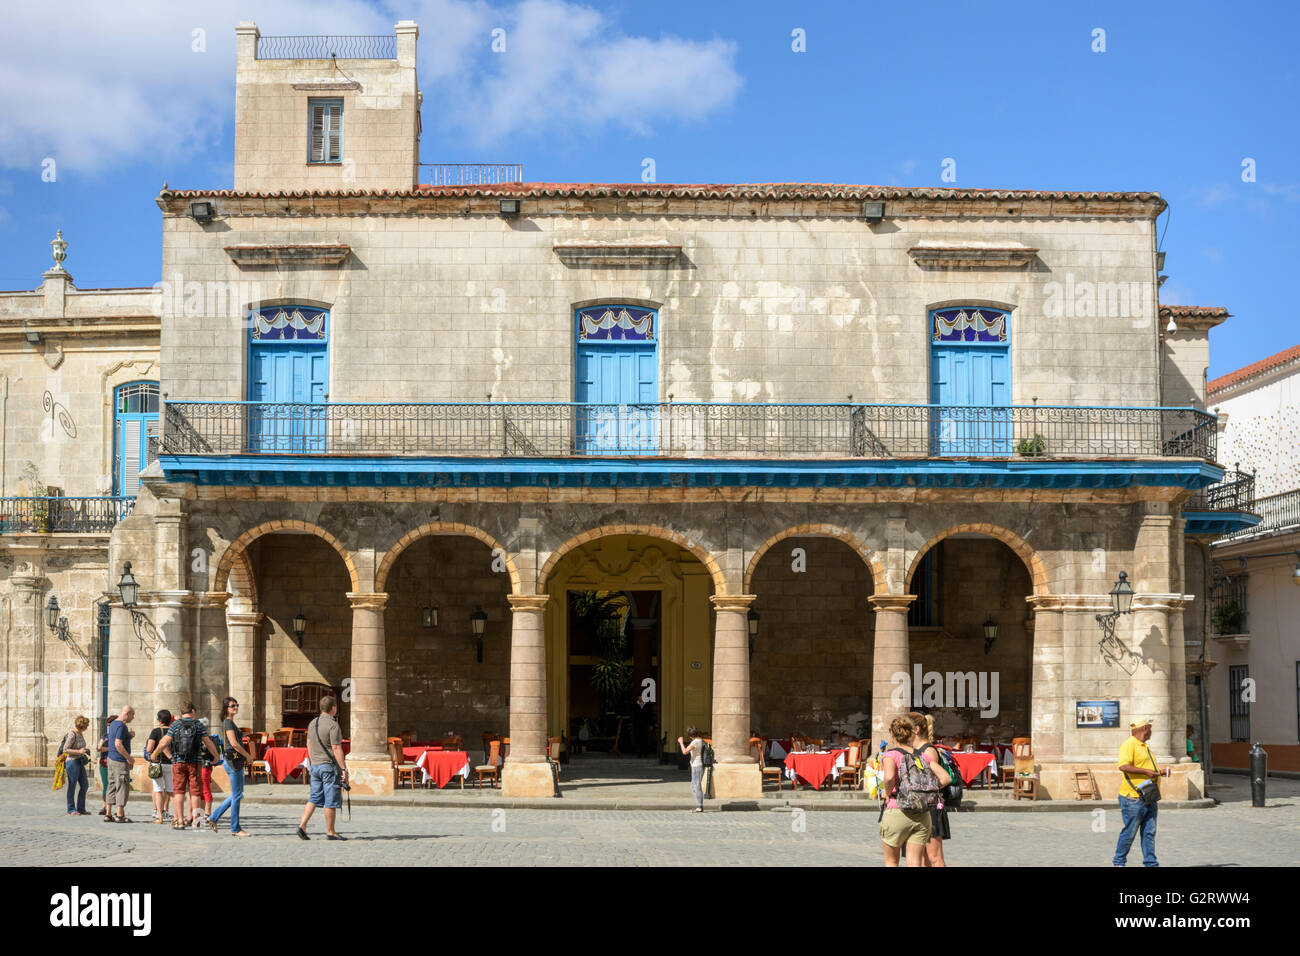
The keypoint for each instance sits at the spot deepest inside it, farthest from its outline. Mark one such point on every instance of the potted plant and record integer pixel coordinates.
(39, 493)
(1031, 446)
(1228, 618)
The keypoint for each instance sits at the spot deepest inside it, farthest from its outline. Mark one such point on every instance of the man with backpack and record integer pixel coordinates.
(185, 740)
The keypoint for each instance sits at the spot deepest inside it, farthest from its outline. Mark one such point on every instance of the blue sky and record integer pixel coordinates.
(712, 92)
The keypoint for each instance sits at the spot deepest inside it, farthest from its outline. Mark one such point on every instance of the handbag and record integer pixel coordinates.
(1148, 792)
(155, 770)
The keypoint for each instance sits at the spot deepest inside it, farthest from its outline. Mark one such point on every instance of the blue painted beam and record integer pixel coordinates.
(1218, 522)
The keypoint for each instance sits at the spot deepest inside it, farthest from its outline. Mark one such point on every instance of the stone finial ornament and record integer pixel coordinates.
(60, 252)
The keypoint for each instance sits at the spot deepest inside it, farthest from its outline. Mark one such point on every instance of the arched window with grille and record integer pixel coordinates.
(135, 419)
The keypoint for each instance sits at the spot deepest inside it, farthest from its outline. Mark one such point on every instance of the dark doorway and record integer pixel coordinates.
(614, 687)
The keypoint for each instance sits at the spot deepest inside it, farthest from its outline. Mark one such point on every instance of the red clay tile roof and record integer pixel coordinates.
(1255, 368)
(1192, 311)
(688, 191)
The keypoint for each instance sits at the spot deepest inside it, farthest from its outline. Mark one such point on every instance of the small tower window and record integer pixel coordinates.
(325, 131)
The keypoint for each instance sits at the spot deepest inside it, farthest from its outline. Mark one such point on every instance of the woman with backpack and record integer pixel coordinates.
(912, 784)
(923, 742)
(76, 760)
(696, 750)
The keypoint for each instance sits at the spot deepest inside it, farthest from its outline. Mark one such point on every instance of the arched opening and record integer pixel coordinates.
(443, 680)
(635, 606)
(811, 666)
(294, 574)
(974, 680)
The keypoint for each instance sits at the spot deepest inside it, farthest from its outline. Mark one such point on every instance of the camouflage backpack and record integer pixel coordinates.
(918, 787)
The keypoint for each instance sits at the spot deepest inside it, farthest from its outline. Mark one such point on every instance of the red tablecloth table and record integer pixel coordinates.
(288, 761)
(971, 766)
(439, 766)
(413, 753)
(811, 767)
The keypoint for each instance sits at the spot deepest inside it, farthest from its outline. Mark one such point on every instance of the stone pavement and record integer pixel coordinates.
(35, 832)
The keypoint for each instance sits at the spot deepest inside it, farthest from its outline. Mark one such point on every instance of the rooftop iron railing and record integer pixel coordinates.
(1234, 492)
(1278, 514)
(685, 430)
(470, 174)
(327, 47)
(43, 515)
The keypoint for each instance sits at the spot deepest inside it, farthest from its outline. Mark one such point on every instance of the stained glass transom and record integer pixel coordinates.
(288, 323)
(616, 323)
(969, 325)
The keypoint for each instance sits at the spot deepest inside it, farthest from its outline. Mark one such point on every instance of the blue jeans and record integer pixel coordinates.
(326, 789)
(77, 779)
(1137, 816)
(231, 802)
(697, 788)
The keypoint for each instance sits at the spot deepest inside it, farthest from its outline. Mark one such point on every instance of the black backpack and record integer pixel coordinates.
(185, 741)
(706, 754)
(952, 792)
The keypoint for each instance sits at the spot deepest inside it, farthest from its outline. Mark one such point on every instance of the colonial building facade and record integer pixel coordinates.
(820, 437)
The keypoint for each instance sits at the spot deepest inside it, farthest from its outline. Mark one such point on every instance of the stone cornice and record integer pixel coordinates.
(628, 253)
(167, 599)
(528, 602)
(1046, 602)
(374, 602)
(732, 602)
(214, 598)
(244, 618)
(1161, 602)
(312, 253)
(971, 256)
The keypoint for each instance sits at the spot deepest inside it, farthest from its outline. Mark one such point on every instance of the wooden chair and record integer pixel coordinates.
(407, 738)
(452, 743)
(852, 768)
(298, 738)
(487, 740)
(553, 748)
(403, 769)
(1085, 785)
(1007, 771)
(1026, 780)
(283, 736)
(765, 771)
(491, 768)
(505, 749)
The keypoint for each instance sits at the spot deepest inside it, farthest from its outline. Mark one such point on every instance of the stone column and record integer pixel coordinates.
(241, 646)
(890, 658)
(172, 666)
(526, 773)
(1048, 708)
(212, 678)
(736, 773)
(1151, 636)
(1178, 675)
(27, 744)
(369, 760)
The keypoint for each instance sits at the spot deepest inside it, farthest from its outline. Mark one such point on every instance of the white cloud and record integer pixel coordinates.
(95, 89)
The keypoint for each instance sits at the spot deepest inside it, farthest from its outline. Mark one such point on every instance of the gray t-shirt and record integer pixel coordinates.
(323, 728)
(696, 748)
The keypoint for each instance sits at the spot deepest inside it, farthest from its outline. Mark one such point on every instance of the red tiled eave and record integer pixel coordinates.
(685, 191)
(1255, 368)
(1195, 311)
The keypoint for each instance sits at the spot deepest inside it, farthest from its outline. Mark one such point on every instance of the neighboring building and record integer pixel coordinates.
(1254, 595)
(78, 413)
(862, 422)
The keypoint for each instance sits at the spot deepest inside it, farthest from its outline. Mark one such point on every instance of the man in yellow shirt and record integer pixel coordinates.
(1137, 765)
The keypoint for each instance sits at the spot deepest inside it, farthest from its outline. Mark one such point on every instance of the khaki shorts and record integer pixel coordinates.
(900, 826)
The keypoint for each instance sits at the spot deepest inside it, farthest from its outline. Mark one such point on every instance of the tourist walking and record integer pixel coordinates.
(120, 763)
(1139, 790)
(912, 784)
(233, 759)
(696, 750)
(207, 760)
(185, 740)
(76, 766)
(329, 768)
(923, 742)
(162, 766)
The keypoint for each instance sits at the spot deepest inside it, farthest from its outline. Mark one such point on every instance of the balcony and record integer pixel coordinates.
(470, 174)
(327, 47)
(1223, 507)
(56, 515)
(1278, 514)
(738, 443)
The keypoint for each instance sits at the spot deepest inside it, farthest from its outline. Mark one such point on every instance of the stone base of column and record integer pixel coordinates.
(28, 750)
(1056, 781)
(733, 781)
(370, 776)
(527, 780)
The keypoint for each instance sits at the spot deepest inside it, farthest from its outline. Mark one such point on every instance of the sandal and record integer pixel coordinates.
(125, 820)
(109, 818)
(177, 826)
(239, 833)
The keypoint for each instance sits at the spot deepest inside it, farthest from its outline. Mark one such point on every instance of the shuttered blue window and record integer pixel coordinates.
(325, 131)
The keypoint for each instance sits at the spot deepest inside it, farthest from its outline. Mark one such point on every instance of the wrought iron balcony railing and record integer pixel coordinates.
(42, 515)
(1235, 492)
(327, 47)
(685, 430)
(1278, 514)
(470, 174)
